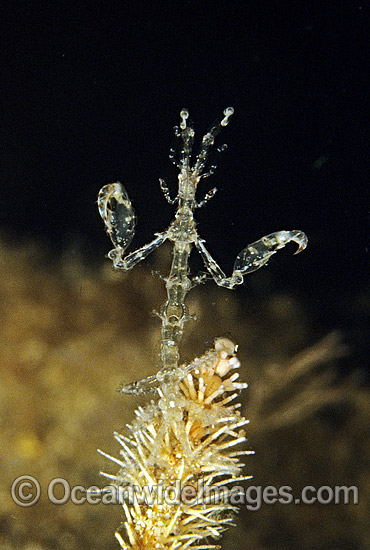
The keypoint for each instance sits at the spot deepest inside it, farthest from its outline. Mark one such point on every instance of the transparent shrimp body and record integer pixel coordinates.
(119, 218)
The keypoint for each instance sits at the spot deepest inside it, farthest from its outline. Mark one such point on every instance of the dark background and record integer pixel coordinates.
(92, 94)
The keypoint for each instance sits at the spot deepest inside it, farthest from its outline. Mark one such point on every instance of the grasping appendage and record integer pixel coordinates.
(117, 212)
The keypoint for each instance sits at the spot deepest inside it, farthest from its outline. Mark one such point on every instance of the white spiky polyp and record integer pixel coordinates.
(184, 443)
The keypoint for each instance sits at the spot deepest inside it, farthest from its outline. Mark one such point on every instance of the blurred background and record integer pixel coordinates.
(91, 95)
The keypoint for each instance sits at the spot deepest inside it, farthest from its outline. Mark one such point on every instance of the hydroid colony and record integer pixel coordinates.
(184, 440)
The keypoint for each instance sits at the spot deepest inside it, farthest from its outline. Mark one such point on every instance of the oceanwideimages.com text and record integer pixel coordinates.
(26, 491)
